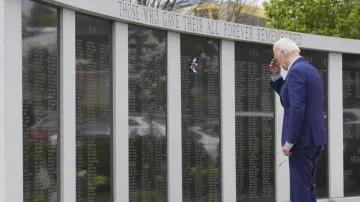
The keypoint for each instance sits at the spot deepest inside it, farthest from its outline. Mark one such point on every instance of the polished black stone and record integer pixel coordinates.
(40, 82)
(200, 112)
(147, 114)
(320, 61)
(93, 109)
(255, 123)
(351, 124)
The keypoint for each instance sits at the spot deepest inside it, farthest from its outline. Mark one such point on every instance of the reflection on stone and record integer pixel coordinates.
(254, 116)
(40, 101)
(201, 127)
(147, 114)
(93, 109)
(351, 124)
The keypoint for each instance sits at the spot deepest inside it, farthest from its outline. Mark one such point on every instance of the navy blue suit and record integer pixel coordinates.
(303, 125)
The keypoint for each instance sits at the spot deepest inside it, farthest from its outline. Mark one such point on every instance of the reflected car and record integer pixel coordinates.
(44, 129)
(209, 135)
(97, 129)
(208, 132)
(254, 114)
(351, 116)
(141, 126)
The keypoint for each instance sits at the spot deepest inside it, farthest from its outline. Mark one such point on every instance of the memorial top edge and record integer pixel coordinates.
(124, 11)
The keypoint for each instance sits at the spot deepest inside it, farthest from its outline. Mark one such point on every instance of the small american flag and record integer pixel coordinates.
(193, 65)
(44, 178)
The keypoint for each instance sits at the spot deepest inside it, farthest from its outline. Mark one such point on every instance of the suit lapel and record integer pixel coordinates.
(283, 88)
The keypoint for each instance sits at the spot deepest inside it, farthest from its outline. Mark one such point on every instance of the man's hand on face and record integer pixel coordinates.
(286, 150)
(275, 67)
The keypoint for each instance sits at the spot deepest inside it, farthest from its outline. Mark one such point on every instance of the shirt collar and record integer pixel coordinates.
(292, 62)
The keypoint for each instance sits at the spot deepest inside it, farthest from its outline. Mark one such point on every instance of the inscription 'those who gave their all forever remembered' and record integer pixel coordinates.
(171, 20)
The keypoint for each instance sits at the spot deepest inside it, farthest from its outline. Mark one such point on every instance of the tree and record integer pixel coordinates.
(232, 11)
(238, 11)
(323, 17)
(165, 4)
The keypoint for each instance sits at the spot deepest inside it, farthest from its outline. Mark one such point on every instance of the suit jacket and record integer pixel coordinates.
(302, 98)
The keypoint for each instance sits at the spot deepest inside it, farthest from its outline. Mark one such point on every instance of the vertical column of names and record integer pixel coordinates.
(213, 113)
(199, 113)
(241, 127)
(80, 120)
(52, 103)
(91, 118)
(39, 102)
(186, 142)
(134, 149)
(27, 121)
(267, 133)
(253, 79)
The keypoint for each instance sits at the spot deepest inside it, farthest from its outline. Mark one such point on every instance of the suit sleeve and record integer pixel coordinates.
(296, 84)
(277, 85)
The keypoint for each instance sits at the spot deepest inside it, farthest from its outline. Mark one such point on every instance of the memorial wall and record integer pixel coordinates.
(200, 118)
(351, 124)
(147, 114)
(40, 83)
(93, 108)
(200, 77)
(255, 123)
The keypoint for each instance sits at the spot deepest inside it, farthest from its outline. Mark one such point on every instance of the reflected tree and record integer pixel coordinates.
(147, 108)
(36, 18)
(201, 126)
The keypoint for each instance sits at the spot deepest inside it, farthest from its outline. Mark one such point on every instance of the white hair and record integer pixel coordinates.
(287, 45)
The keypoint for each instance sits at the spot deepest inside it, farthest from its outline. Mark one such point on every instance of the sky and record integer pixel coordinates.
(259, 3)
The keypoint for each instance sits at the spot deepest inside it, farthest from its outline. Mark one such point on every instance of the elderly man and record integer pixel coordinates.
(303, 133)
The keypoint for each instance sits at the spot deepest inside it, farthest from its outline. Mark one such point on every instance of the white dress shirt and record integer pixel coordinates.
(275, 77)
